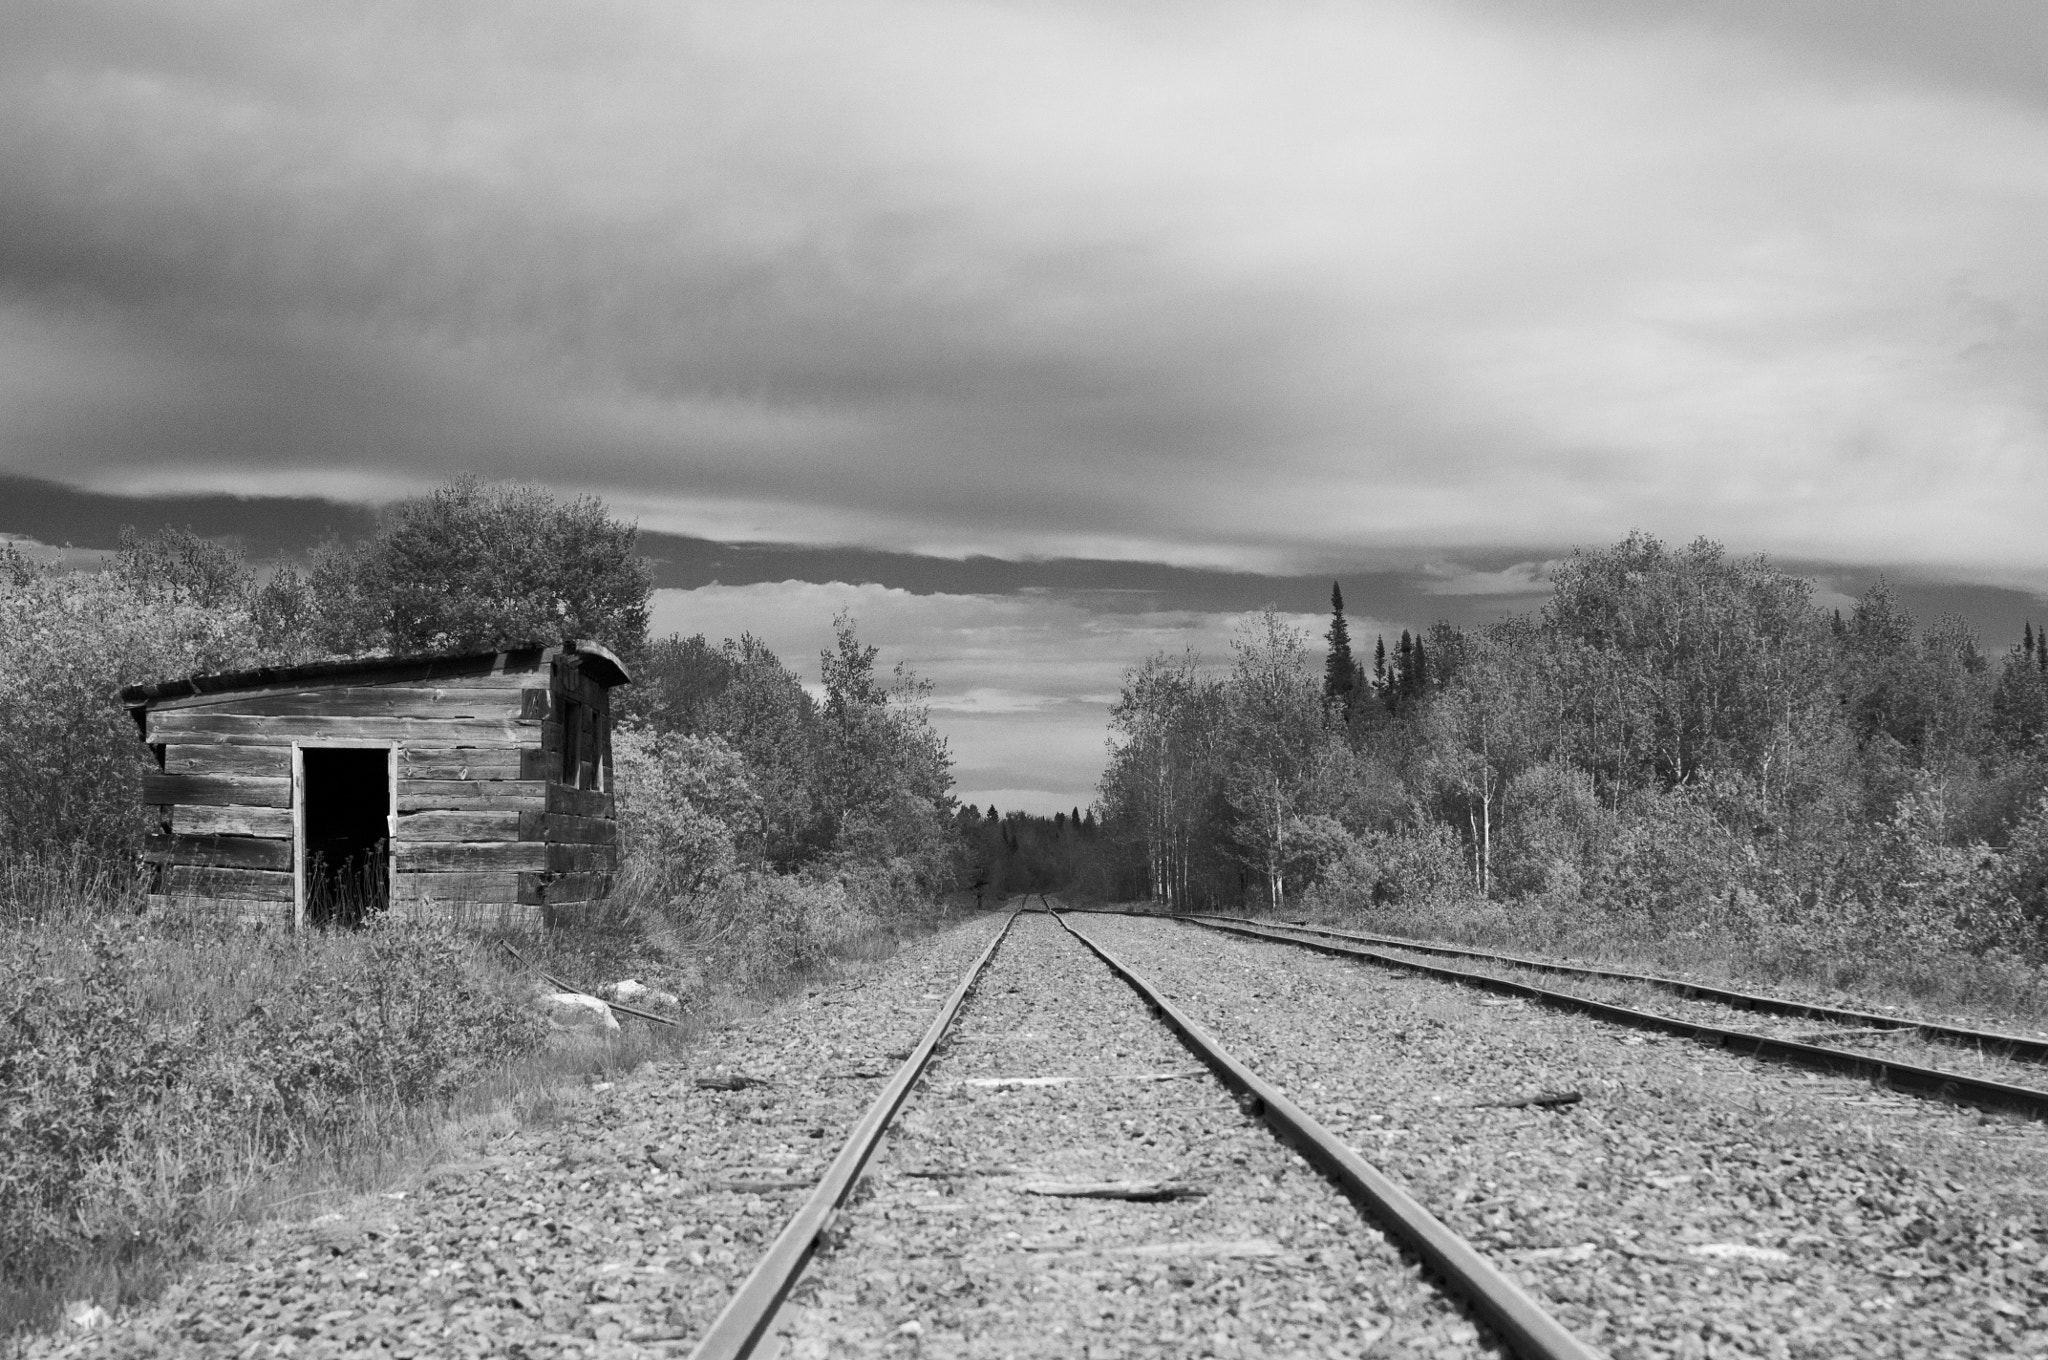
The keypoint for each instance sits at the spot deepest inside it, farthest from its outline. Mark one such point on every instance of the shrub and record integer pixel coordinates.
(144, 1069)
(684, 802)
(70, 760)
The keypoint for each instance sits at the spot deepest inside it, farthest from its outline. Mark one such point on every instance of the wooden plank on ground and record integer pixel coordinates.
(184, 880)
(218, 790)
(471, 795)
(437, 856)
(221, 852)
(199, 819)
(262, 762)
(199, 726)
(496, 825)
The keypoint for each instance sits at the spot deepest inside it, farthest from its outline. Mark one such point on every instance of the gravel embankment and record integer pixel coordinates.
(621, 1229)
(1058, 1075)
(1693, 1203)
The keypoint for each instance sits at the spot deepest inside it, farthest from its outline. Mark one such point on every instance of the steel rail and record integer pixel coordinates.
(1990, 1041)
(752, 1308)
(1520, 1321)
(1922, 1081)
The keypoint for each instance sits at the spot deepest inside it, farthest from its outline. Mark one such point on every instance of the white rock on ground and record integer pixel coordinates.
(635, 993)
(583, 1014)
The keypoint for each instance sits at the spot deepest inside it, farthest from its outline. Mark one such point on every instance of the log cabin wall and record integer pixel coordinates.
(500, 806)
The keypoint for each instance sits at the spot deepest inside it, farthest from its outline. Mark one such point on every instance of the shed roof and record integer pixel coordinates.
(599, 663)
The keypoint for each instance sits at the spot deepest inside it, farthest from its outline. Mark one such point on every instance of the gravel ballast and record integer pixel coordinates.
(620, 1229)
(1690, 1203)
(1066, 1180)
(977, 1230)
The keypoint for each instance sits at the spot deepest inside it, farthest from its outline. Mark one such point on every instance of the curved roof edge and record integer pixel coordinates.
(599, 662)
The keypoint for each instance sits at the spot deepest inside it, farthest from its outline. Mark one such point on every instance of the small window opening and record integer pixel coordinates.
(348, 807)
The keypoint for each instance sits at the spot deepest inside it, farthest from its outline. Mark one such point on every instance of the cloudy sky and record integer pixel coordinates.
(1194, 299)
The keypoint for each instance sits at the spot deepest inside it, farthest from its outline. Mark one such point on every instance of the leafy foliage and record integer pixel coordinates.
(1678, 745)
(70, 763)
(473, 565)
(116, 1110)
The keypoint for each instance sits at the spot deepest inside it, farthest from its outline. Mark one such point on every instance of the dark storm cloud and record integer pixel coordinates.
(1288, 289)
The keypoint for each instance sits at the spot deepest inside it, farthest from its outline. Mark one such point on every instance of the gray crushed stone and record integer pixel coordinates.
(1057, 1074)
(621, 1229)
(1693, 1203)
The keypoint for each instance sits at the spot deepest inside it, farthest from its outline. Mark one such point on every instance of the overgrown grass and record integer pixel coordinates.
(164, 1083)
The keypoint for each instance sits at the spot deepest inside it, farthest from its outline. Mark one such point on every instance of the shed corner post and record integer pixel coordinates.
(298, 796)
(391, 827)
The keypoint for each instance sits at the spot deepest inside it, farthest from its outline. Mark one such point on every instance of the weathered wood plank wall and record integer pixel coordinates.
(489, 811)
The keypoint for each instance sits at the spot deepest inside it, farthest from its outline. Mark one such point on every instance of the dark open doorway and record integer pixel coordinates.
(348, 805)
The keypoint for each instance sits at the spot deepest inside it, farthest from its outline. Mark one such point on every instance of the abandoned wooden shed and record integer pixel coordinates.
(476, 786)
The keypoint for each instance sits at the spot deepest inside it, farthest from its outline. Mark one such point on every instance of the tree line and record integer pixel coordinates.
(727, 765)
(1678, 739)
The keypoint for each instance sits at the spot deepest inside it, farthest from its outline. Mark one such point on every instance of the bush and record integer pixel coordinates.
(683, 804)
(145, 1069)
(1408, 869)
(70, 758)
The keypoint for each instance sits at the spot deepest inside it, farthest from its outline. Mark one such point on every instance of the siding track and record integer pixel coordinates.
(1907, 1077)
(1520, 1320)
(2017, 1046)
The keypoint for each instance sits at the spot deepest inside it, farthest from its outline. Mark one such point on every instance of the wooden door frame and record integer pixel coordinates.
(299, 748)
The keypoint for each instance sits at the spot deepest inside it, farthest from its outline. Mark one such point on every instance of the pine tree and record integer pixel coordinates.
(2027, 641)
(1379, 664)
(1340, 669)
(1420, 680)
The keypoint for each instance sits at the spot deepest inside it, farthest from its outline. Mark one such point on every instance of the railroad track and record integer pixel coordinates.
(1913, 1078)
(1092, 1100)
(2017, 1046)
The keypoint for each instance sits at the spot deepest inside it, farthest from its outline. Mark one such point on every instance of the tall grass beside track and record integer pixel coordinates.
(166, 1084)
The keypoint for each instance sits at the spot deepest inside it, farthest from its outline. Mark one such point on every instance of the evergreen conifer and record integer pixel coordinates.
(1340, 669)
